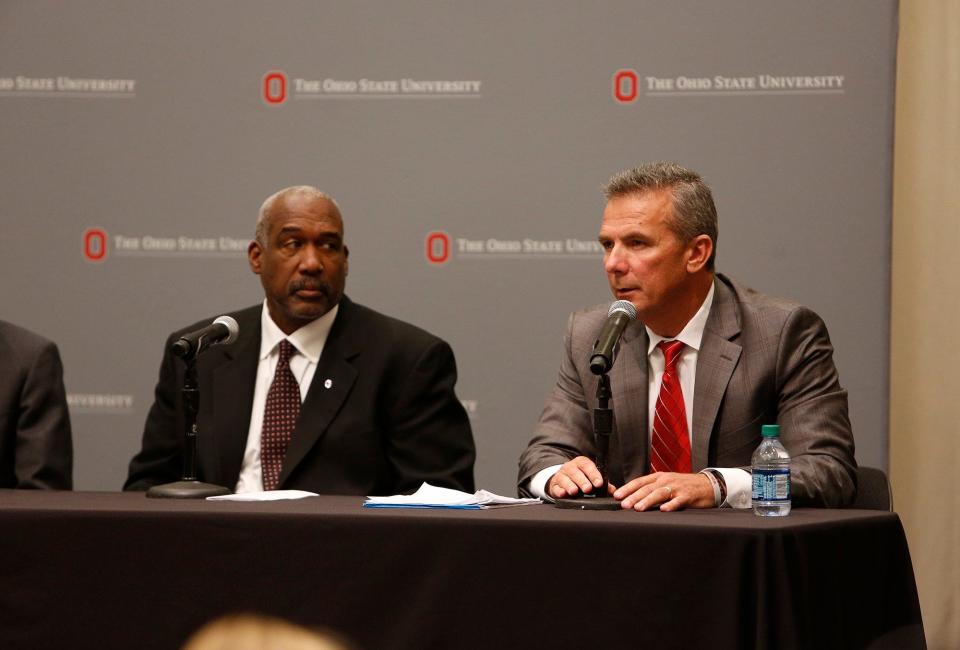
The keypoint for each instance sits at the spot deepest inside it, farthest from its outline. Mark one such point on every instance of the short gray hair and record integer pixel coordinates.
(694, 212)
(260, 233)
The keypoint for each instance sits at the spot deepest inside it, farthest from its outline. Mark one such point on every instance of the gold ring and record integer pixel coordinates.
(669, 490)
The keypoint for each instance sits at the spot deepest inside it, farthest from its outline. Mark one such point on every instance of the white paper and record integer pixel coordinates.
(270, 495)
(431, 496)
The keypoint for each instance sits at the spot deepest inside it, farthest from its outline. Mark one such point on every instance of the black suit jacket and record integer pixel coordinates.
(389, 420)
(36, 450)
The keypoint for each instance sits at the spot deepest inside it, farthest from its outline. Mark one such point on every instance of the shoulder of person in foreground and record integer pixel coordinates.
(33, 412)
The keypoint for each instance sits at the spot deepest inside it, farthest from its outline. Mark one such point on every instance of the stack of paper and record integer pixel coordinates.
(270, 495)
(431, 496)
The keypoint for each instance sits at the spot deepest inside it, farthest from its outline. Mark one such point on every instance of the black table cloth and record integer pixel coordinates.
(110, 570)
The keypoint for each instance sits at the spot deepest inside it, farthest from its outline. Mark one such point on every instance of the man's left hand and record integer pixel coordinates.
(668, 490)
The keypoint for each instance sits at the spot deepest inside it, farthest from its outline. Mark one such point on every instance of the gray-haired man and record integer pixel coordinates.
(705, 365)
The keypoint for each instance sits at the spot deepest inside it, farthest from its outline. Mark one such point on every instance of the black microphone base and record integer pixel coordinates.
(589, 503)
(186, 490)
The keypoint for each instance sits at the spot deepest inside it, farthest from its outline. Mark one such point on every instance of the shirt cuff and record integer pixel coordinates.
(739, 487)
(538, 484)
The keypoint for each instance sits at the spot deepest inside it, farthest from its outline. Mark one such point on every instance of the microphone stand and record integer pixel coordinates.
(602, 428)
(189, 487)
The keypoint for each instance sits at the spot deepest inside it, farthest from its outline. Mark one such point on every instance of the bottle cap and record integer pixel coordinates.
(770, 430)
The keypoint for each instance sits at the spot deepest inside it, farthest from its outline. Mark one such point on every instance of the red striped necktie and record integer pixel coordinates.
(670, 444)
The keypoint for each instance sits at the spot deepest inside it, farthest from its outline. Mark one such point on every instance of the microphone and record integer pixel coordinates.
(620, 314)
(223, 330)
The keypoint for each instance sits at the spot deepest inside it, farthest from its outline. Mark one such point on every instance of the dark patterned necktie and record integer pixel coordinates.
(670, 444)
(279, 417)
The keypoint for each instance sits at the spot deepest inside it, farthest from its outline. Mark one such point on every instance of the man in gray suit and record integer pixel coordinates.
(688, 414)
(36, 450)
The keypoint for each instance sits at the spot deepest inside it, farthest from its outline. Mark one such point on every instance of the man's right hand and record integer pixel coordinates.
(575, 476)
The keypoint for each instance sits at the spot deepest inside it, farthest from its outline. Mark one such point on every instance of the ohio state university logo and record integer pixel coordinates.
(94, 244)
(438, 247)
(274, 87)
(625, 86)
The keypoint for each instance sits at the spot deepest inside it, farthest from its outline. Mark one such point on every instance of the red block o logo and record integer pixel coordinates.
(275, 87)
(95, 244)
(625, 86)
(438, 247)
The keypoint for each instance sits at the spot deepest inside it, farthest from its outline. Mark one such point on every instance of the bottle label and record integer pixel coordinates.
(771, 484)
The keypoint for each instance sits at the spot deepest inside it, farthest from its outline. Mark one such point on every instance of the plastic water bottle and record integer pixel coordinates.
(771, 475)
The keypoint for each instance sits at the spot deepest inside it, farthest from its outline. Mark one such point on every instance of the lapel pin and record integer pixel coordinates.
(328, 383)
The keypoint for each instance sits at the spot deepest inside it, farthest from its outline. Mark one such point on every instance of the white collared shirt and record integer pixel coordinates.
(737, 480)
(309, 341)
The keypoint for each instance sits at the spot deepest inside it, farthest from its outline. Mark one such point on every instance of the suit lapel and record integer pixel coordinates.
(332, 382)
(628, 379)
(234, 380)
(716, 361)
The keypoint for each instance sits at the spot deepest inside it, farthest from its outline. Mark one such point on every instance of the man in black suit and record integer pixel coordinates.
(378, 411)
(36, 450)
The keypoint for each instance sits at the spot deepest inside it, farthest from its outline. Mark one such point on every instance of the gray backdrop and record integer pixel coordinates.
(151, 122)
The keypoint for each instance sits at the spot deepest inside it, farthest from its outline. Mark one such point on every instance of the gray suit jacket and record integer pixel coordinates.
(36, 450)
(762, 360)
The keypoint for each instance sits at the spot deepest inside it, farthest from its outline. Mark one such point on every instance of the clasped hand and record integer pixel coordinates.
(668, 490)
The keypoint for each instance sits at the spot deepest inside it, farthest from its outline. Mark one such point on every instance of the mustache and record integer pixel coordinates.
(309, 285)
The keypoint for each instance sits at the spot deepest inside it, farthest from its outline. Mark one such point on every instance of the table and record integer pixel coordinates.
(114, 570)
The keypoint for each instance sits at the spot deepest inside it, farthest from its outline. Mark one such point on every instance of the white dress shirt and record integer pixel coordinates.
(309, 341)
(738, 481)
